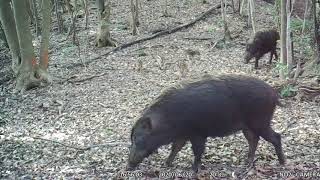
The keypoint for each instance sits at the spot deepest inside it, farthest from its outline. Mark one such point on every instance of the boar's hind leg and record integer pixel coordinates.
(269, 135)
(275, 53)
(176, 147)
(271, 56)
(198, 146)
(253, 142)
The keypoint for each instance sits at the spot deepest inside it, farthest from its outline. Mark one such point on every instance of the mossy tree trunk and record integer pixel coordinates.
(9, 28)
(103, 35)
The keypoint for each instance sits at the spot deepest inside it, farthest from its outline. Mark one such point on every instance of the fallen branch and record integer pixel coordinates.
(69, 79)
(87, 78)
(161, 33)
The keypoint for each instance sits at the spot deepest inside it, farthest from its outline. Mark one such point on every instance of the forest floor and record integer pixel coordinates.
(79, 126)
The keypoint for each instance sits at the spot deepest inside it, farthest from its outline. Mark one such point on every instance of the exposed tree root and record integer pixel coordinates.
(27, 80)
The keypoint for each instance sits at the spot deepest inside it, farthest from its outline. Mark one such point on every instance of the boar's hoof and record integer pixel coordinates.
(129, 168)
(195, 168)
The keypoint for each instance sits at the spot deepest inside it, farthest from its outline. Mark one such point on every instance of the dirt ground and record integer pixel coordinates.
(79, 126)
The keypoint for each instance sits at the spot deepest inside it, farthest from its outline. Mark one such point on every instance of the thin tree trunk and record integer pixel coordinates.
(46, 21)
(74, 23)
(288, 41)
(239, 6)
(249, 14)
(86, 7)
(316, 33)
(242, 6)
(310, 68)
(252, 15)
(227, 36)
(283, 38)
(233, 7)
(58, 15)
(25, 78)
(9, 28)
(305, 16)
(134, 13)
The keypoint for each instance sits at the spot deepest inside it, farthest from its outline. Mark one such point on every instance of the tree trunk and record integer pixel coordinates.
(26, 78)
(103, 36)
(252, 15)
(46, 21)
(242, 6)
(288, 41)
(134, 13)
(233, 6)
(277, 7)
(86, 7)
(58, 9)
(283, 38)
(249, 14)
(227, 36)
(316, 33)
(312, 67)
(36, 17)
(9, 28)
(305, 16)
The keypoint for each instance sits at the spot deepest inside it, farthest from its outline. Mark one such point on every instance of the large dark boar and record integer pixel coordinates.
(262, 43)
(212, 107)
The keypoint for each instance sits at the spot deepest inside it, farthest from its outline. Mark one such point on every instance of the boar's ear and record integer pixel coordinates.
(146, 123)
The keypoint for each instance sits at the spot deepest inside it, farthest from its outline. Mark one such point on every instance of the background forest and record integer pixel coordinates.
(76, 74)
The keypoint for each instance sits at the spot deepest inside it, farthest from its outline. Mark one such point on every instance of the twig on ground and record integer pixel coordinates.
(244, 175)
(87, 78)
(198, 38)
